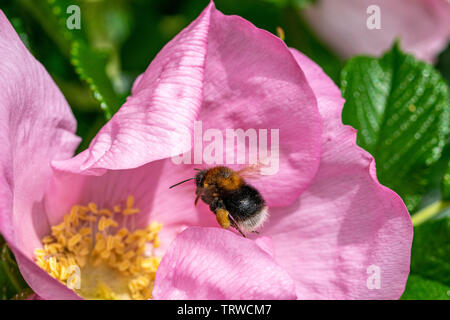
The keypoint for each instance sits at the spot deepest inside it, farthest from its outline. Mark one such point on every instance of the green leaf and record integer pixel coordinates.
(446, 183)
(418, 288)
(91, 65)
(299, 3)
(51, 15)
(400, 107)
(443, 64)
(11, 281)
(430, 266)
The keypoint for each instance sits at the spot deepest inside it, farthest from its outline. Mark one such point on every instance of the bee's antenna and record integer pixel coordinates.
(177, 184)
(197, 169)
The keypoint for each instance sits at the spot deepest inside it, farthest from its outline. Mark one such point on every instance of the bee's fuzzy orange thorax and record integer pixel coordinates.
(232, 183)
(224, 178)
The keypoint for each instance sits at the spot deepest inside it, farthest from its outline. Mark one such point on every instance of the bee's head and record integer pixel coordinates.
(200, 178)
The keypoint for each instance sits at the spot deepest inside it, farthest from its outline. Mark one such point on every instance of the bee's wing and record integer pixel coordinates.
(252, 171)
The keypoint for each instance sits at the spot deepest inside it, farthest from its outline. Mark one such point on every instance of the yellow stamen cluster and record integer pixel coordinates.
(93, 239)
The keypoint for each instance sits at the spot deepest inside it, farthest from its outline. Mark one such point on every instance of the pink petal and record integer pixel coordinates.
(422, 25)
(161, 111)
(212, 263)
(149, 184)
(252, 82)
(37, 127)
(44, 285)
(345, 222)
(244, 77)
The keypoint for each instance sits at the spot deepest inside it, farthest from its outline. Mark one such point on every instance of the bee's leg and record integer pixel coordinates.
(257, 232)
(235, 225)
(196, 200)
(221, 212)
(224, 218)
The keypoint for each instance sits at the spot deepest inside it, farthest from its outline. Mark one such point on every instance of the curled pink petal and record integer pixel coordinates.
(423, 26)
(37, 127)
(212, 263)
(253, 83)
(244, 78)
(161, 111)
(346, 229)
(43, 284)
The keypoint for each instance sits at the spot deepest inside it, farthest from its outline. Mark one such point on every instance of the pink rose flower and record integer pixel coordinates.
(423, 26)
(331, 221)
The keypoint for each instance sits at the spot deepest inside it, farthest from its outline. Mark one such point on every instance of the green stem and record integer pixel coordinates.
(43, 15)
(429, 212)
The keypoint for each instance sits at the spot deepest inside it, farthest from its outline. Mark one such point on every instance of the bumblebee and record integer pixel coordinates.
(234, 202)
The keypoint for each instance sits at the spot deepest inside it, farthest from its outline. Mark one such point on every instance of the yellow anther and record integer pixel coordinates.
(150, 263)
(75, 210)
(124, 265)
(130, 211)
(105, 254)
(112, 223)
(40, 252)
(41, 262)
(52, 264)
(88, 218)
(101, 224)
(74, 216)
(58, 228)
(130, 238)
(81, 261)
(51, 248)
(85, 251)
(156, 242)
(93, 207)
(74, 240)
(105, 223)
(109, 243)
(48, 239)
(62, 240)
(141, 241)
(100, 245)
(130, 202)
(67, 221)
(129, 255)
(122, 232)
(154, 227)
(85, 231)
(140, 250)
(106, 212)
(82, 210)
(99, 236)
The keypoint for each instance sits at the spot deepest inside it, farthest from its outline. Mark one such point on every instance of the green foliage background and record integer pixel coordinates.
(95, 67)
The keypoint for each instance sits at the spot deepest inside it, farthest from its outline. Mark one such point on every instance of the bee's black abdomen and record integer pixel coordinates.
(244, 202)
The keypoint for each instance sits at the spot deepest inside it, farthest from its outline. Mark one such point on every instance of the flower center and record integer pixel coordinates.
(100, 255)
